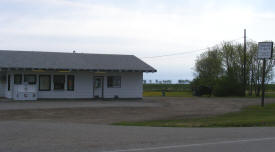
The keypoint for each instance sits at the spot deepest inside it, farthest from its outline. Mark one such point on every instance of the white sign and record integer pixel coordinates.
(265, 50)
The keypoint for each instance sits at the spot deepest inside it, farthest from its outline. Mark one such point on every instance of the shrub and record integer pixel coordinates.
(228, 86)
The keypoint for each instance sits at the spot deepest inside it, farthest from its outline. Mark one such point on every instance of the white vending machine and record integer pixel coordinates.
(25, 92)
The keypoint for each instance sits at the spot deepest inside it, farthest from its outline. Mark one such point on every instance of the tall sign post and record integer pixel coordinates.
(265, 51)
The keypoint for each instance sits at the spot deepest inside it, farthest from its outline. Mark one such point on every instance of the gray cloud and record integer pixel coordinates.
(143, 28)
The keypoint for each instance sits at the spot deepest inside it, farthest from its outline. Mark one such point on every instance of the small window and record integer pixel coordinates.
(17, 79)
(59, 82)
(114, 82)
(70, 82)
(30, 79)
(44, 82)
(9, 82)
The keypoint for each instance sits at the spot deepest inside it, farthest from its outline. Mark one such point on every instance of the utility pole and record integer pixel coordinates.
(263, 86)
(244, 63)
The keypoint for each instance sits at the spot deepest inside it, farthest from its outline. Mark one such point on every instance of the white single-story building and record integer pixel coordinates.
(31, 75)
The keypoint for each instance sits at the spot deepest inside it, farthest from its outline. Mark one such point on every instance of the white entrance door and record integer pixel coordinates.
(98, 86)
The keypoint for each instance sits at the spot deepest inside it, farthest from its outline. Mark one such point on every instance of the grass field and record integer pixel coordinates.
(184, 87)
(168, 94)
(184, 90)
(248, 117)
(170, 87)
(268, 94)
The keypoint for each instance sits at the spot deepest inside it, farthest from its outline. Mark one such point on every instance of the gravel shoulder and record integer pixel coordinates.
(106, 112)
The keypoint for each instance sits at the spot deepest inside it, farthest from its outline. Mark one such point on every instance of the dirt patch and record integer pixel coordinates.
(168, 107)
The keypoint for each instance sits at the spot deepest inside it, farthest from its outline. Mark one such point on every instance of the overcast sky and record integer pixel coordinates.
(140, 27)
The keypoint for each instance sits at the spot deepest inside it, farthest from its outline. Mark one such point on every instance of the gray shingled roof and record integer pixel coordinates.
(71, 61)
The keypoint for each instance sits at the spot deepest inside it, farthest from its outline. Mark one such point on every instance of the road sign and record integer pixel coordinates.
(265, 50)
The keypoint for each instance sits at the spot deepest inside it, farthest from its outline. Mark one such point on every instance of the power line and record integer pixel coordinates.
(180, 53)
(187, 52)
(250, 39)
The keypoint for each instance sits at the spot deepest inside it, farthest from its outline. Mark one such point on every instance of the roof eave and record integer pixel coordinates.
(68, 69)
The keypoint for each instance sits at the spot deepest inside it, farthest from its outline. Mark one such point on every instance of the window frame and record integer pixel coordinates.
(108, 81)
(73, 83)
(50, 83)
(35, 81)
(20, 75)
(63, 83)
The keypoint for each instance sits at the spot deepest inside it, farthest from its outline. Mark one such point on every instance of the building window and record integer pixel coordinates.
(59, 82)
(114, 82)
(9, 82)
(70, 82)
(30, 79)
(17, 79)
(44, 82)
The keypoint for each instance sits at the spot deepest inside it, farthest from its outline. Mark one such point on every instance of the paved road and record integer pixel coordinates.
(33, 136)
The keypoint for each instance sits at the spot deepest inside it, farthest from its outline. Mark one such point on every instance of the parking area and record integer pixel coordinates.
(55, 104)
(106, 112)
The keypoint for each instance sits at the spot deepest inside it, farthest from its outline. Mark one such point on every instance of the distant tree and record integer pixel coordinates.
(222, 68)
(183, 81)
(208, 67)
(167, 81)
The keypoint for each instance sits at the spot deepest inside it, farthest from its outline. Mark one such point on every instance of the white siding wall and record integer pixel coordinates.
(83, 87)
(131, 85)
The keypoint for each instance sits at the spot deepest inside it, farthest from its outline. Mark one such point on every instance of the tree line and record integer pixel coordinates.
(221, 69)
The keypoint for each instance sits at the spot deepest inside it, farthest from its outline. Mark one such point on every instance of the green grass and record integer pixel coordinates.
(268, 94)
(168, 94)
(170, 87)
(248, 117)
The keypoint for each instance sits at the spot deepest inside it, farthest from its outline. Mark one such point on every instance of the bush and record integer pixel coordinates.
(228, 86)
